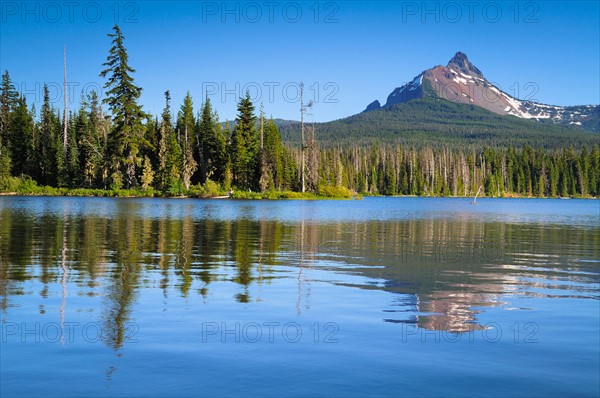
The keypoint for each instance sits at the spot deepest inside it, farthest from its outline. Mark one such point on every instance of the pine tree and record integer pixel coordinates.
(60, 177)
(274, 155)
(78, 123)
(312, 162)
(244, 146)
(169, 170)
(211, 144)
(5, 167)
(265, 180)
(21, 138)
(227, 159)
(127, 134)
(91, 141)
(147, 173)
(8, 101)
(48, 131)
(217, 150)
(204, 132)
(185, 127)
(594, 177)
(151, 148)
(163, 177)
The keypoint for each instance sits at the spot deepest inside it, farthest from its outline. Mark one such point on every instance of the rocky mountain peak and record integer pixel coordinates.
(461, 82)
(461, 62)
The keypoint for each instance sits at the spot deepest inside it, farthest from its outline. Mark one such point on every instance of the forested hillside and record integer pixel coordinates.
(437, 122)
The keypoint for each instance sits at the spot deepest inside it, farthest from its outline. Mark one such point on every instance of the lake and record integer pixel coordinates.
(371, 297)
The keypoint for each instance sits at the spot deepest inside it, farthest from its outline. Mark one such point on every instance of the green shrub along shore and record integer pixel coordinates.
(210, 189)
(13, 186)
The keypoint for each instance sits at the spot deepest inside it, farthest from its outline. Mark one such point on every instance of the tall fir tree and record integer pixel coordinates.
(8, 101)
(244, 148)
(185, 127)
(169, 170)
(217, 149)
(91, 141)
(122, 96)
(151, 148)
(21, 126)
(273, 155)
(211, 145)
(48, 129)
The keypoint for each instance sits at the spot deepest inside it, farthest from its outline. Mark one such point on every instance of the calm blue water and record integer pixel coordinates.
(374, 297)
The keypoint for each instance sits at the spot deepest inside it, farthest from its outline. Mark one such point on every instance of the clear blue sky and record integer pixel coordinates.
(347, 53)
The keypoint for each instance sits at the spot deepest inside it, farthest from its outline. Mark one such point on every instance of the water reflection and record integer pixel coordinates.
(441, 272)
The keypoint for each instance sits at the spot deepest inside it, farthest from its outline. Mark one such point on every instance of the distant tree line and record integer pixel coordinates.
(175, 152)
(388, 169)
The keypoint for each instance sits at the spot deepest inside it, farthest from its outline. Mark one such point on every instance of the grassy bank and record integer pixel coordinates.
(28, 187)
(324, 192)
(210, 189)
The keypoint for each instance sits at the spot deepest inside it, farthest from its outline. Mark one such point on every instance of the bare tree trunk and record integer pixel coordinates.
(302, 170)
(477, 194)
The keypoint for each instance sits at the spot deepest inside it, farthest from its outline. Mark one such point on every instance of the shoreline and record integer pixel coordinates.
(273, 195)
